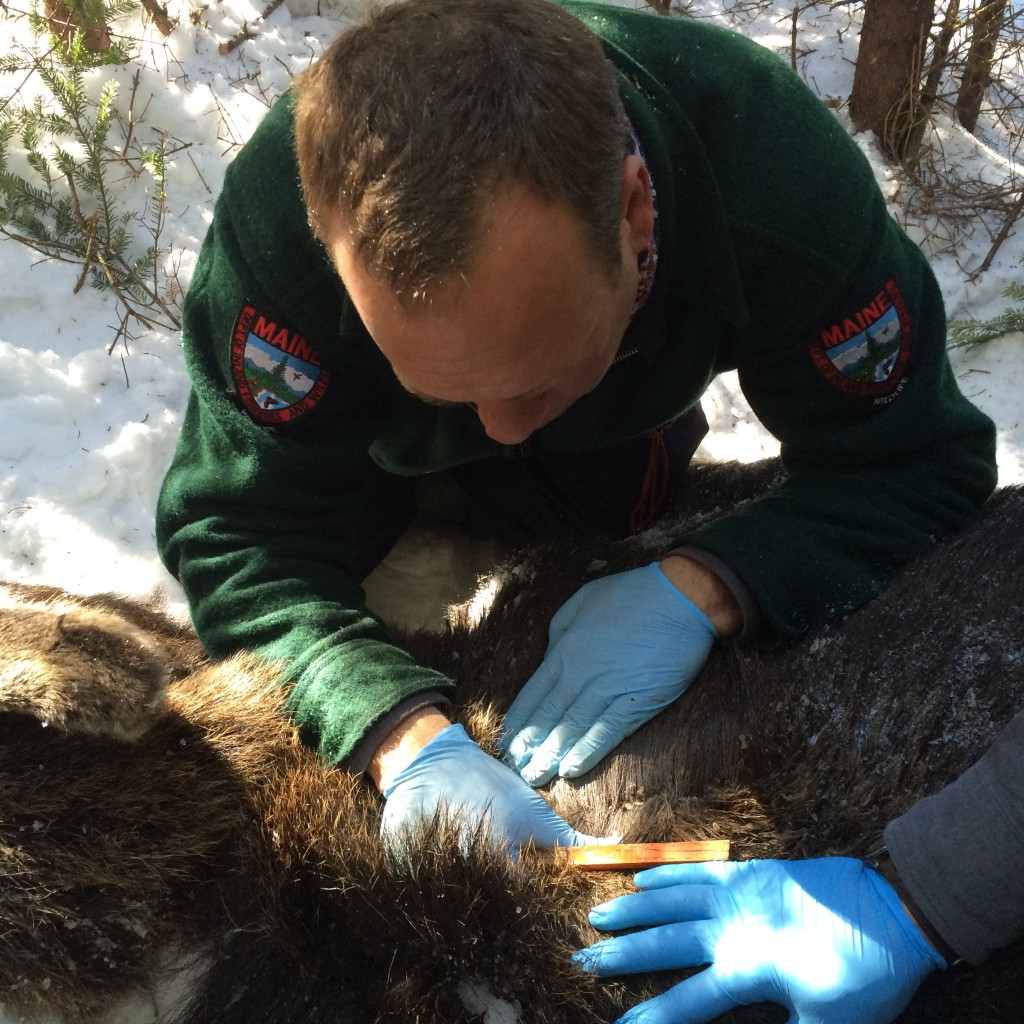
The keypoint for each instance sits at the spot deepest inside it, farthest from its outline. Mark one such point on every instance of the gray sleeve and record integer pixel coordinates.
(960, 853)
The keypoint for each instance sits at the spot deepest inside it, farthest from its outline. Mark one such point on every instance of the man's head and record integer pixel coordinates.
(464, 162)
(412, 121)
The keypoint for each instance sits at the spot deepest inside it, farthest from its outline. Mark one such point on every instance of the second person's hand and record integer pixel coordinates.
(826, 938)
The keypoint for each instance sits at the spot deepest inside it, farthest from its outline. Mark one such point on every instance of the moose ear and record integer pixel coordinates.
(80, 670)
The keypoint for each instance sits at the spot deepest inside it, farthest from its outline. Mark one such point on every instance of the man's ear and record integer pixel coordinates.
(636, 204)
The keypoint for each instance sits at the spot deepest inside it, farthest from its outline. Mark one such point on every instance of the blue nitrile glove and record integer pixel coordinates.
(452, 774)
(619, 650)
(828, 939)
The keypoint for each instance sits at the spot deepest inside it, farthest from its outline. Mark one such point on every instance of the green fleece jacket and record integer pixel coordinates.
(777, 258)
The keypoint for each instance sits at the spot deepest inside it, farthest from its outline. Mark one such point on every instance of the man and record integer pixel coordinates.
(538, 236)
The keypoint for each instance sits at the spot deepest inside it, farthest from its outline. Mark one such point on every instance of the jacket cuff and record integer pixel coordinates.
(359, 760)
(749, 608)
(960, 853)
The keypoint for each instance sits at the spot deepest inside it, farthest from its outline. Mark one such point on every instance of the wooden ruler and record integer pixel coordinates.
(632, 856)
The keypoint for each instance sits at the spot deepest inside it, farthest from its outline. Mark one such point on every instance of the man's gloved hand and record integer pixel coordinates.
(828, 939)
(619, 650)
(452, 774)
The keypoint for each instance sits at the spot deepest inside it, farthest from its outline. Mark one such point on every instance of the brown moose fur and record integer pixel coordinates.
(216, 830)
(47, 638)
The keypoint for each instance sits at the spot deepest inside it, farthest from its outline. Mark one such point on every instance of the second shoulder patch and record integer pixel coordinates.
(865, 352)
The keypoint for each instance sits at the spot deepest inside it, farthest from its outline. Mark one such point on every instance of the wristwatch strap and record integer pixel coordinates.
(878, 858)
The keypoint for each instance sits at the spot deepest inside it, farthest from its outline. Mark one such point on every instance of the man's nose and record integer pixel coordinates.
(514, 420)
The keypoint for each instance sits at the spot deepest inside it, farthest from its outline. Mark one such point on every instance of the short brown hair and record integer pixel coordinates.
(410, 120)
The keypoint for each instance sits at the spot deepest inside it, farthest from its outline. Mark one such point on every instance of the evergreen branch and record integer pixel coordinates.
(968, 333)
(87, 258)
(63, 253)
(66, 204)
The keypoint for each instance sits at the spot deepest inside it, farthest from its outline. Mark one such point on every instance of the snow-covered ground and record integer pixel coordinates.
(85, 434)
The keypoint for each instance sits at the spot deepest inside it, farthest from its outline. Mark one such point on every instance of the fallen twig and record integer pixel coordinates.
(1004, 231)
(247, 33)
(158, 12)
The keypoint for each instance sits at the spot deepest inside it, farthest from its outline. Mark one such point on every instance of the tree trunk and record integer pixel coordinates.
(978, 68)
(64, 21)
(930, 89)
(887, 82)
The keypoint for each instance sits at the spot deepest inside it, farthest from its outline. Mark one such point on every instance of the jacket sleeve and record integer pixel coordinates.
(878, 469)
(258, 523)
(788, 268)
(960, 853)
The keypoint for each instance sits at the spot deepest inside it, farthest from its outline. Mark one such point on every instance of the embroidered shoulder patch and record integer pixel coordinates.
(278, 373)
(865, 353)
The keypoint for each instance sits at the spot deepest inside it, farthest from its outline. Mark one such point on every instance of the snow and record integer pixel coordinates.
(85, 434)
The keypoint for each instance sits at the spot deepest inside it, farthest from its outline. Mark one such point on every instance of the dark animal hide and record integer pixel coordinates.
(215, 830)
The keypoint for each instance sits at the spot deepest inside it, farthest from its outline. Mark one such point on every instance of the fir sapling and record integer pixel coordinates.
(69, 165)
